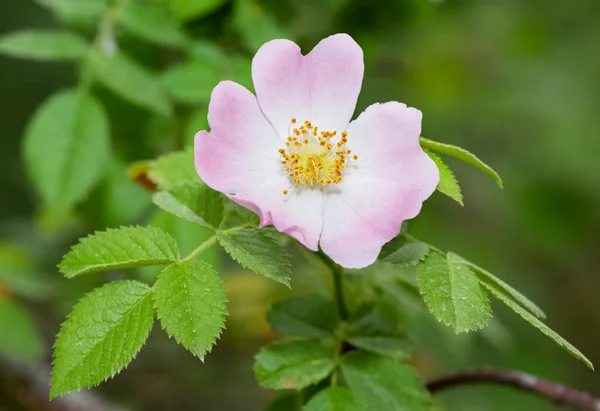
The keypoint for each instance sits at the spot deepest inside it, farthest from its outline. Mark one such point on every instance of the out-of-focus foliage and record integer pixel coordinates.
(513, 81)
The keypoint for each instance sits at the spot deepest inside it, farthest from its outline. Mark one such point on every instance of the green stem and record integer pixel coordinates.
(201, 248)
(338, 285)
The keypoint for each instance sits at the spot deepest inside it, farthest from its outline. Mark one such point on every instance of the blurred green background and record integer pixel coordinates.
(516, 82)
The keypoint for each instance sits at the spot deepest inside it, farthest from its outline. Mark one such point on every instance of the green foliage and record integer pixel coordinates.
(43, 45)
(486, 276)
(19, 337)
(193, 202)
(308, 316)
(67, 147)
(190, 302)
(173, 169)
(383, 384)
(448, 183)
(284, 401)
(113, 249)
(403, 251)
(452, 293)
(255, 25)
(154, 23)
(191, 82)
(376, 328)
(79, 8)
(527, 316)
(131, 81)
(333, 399)
(463, 155)
(254, 250)
(19, 274)
(293, 364)
(105, 331)
(189, 9)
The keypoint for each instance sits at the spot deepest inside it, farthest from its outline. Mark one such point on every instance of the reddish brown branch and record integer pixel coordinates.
(520, 380)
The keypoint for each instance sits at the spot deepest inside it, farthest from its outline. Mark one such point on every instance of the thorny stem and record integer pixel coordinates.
(520, 380)
(201, 248)
(338, 286)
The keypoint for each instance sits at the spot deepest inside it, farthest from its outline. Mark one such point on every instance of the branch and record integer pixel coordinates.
(520, 380)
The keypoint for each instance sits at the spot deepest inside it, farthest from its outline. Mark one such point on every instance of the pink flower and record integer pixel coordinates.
(292, 156)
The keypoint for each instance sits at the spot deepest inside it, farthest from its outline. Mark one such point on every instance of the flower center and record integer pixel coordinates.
(314, 157)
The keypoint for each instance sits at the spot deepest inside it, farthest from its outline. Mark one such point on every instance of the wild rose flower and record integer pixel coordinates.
(292, 156)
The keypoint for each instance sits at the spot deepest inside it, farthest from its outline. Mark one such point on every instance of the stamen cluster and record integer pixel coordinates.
(313, 157)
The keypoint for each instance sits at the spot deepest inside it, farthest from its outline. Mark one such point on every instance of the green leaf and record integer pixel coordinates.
(67, 147)
(194, 202)
(496, 282)
(105, 331)
(384, 384)
(174, 169)
(189, 9)
(309, 316)
(131, 81)
(254, 250)
(293, 364)
(80, 8)
(255, 25)
(376, 329)
(448, 184)
(154, 23)
(19, 337)
(404, 252)
(43, 45)
(333, 399)
(463, 155)
(191, 82)
(114, 249)
(527, 316)
(190, 302)
(452, 293)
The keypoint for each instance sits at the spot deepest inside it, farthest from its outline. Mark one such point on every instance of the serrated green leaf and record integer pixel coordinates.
(194, 202)
(516, 295)
(384, 384)
(81, 8)
(67, 147)
(114, 249)
(293, 364)
(154, 23)
(376, 328)
(174, 169)
(255, 25)
(19, 337)
(461, 154)
(131, 81)
(448, 184)
(452, 293)
(43, 45)
(404, 252)
(189, 9)
(333, 399)
(191, 305)
(191, 82)
(309, 316)
(531, 319)
(254, 250)
(105, 331)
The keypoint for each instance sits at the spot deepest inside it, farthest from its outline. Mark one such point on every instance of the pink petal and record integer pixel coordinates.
(322, 86)
(385, 186)
(240, 158)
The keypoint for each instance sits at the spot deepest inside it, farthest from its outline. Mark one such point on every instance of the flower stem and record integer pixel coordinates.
(338, 285)
(201, 248)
